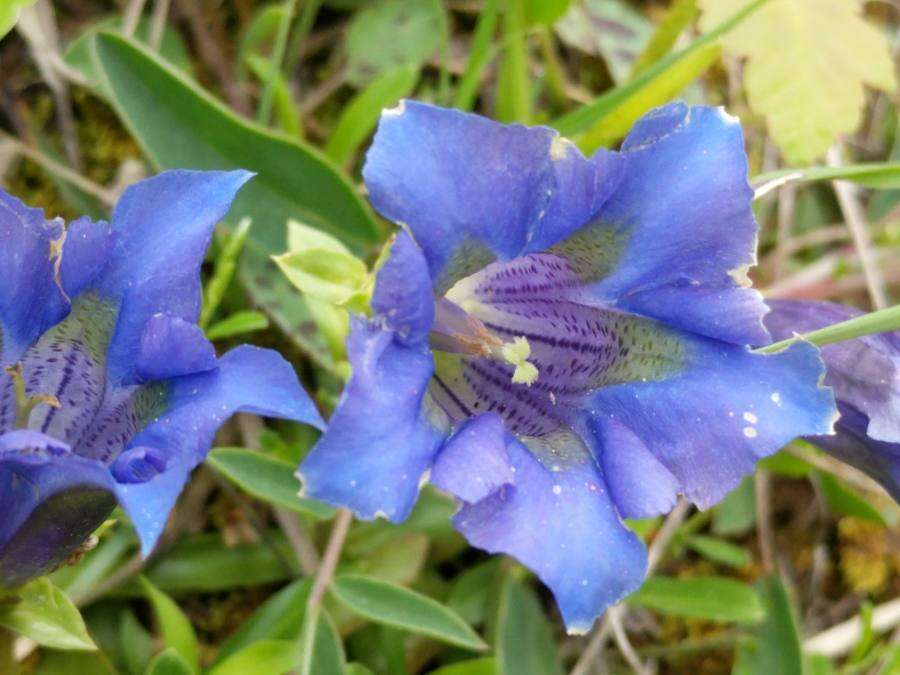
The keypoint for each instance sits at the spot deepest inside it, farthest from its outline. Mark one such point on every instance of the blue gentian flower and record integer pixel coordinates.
(110, 392)
(561, 342)
(865, 376)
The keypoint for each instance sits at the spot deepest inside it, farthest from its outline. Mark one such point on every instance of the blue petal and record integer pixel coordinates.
(639, 484)
(864, 373)
(162, 227)
(51, 501)
(381, 438)
(248, 379)
(675, 238)
(474, 462)
(86, 252)
(472, 190)
(31, 300)
(558, 520)
(171, 346)
(728, 407)
(403, 297)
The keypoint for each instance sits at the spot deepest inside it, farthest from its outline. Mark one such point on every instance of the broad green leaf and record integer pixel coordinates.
(807, 63)
(266, 478)
(657, 91)
(359, 117)
(402, 608)
(469, 595)
(136, 643)
(45, 614)
(78, 52)
(74, 663)
(776, 644)
(203, 563)
(397, 562)
(513, 83)
(878, 176)
(169, 662)
(524, 640)
(336, 278)
(589, 115)
(391, 33)
(485, 666)
(680, 15)
(713, 598)
(736, 514)
(9, 14)
(718, 550)
(322, 652)
(273, 657)
(278, 618)
(177, 631)
(846, 502)
(161, 108)
(624, 33)
(239, 323)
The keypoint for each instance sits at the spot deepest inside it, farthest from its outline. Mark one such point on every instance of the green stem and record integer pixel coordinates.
(553, 69)
(268, 95)
(881, 321)
(8, 663)
(304, 26)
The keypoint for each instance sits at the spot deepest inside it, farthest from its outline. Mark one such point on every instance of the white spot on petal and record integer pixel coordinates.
(750, 432)
(751, 418)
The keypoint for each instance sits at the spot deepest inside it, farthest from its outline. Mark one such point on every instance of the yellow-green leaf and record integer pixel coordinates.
(807, 63)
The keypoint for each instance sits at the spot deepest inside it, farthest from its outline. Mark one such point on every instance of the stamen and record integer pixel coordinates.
(516, 353)
(25, 403)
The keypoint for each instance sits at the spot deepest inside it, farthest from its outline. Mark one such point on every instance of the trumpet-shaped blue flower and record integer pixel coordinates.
(865, 376)
(110, 392)
(561, 342)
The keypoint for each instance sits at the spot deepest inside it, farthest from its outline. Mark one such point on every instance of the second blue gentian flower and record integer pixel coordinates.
(561, 342)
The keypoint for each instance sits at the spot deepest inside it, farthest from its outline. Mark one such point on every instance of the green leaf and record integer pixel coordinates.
(713, 598)
(485, 666)
(513, 87)
(9, 14)
(357, 669)
(45, 614)
(161, 108)
(278, 618)
(524, 640)
(880, 321)
(79, 57)
(266, 478)
(337, 278)
(402, 608)
(776, 644)
(846, 502)
(807, 63)
(169, 662)
(136, 643)
(360, 115)
(736, 514)
(785, 464)
(680, 15)
(322, 649)
(77, 580)
(590, 115)
(718, 550)
(286, 111)
(392, 33)
(177, 631)
(203, 563)
(273, 657)
(877, 176)
(70, 663)
(239, 323)
(469, 595)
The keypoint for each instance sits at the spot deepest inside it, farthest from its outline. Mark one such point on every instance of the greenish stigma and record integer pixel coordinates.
(25, 403)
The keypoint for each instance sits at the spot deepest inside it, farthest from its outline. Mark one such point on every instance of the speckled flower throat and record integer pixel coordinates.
(506, 342)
